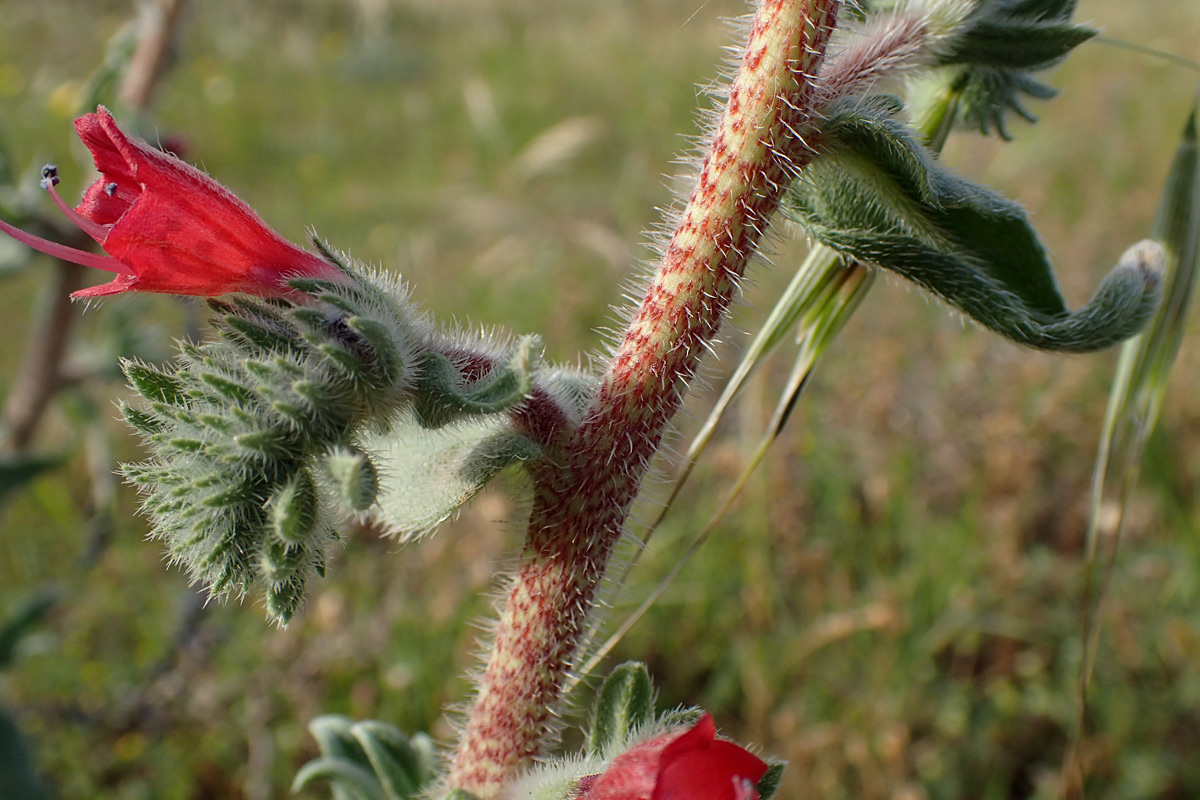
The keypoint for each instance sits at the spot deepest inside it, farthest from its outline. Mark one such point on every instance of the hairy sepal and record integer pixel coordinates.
(877, 195)
(991, 60)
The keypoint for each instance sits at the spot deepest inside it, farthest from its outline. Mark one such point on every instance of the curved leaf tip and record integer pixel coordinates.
(878, 196)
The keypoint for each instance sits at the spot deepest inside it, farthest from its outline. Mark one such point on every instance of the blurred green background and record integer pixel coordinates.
(894, 607)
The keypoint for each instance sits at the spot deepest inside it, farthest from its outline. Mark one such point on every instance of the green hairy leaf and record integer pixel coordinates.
(624, 704)
(1146, 361)
(878, 196)
(367, 760)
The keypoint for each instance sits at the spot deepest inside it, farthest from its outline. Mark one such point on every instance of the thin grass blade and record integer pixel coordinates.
(1138, 389)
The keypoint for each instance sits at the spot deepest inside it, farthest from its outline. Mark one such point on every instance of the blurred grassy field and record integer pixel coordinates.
(893, 608)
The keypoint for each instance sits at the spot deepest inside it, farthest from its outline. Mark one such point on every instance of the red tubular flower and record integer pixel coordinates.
(683, 765)
(167, 227)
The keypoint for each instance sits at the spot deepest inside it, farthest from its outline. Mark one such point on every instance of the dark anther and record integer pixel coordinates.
(50, 173)
(110, 189)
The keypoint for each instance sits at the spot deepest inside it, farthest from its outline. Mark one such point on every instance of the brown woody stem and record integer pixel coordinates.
(582, 498)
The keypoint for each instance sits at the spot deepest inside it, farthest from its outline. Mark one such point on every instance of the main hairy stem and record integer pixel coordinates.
(582, 497)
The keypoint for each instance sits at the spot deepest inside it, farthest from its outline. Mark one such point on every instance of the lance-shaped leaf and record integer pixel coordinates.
(402, 765)
(1017, 35)
(878, 196)
(1147, 360)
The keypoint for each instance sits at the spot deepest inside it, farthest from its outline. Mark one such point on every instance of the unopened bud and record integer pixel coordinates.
(354, 477)
(294, 509)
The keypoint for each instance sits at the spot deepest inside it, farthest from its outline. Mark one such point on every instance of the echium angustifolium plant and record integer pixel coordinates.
(329, 396)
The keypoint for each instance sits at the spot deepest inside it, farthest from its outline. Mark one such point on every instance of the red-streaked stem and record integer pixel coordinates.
(582, 499)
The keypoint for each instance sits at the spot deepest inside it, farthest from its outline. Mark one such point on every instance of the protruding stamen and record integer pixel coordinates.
(93, 229)
(49, 173)
(110, 189)
(81, 257)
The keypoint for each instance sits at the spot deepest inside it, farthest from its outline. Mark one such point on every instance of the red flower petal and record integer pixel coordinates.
(167, 227)
(683, 765)
(183, 233)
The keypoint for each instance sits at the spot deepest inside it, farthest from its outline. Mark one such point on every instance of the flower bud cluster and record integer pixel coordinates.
(255, 437)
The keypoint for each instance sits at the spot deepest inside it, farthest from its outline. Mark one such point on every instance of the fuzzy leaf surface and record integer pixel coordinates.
(427, 474)
(880, 197)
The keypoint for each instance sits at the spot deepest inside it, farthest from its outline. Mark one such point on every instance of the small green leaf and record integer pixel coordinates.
(339, 356)
(313, 318)
(280, 561)
(624, 704)
(680, 717)
(229, 389)
(396, 764)
(184, 444)
(768, 784)
(350, 781)
(285, 597)
(233, 495)
(1007, 43)
(389, 362)
(293, 509)
(274, 442)
(142, 421)
(255, 333)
